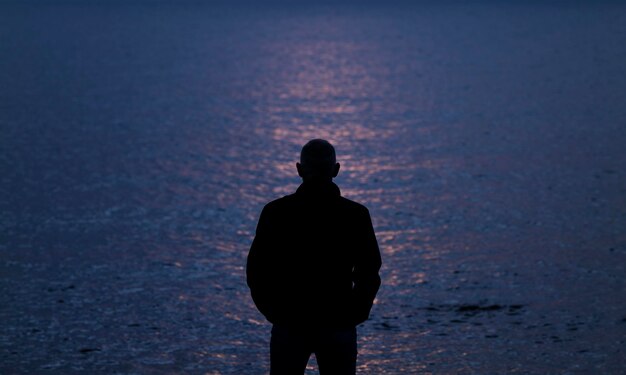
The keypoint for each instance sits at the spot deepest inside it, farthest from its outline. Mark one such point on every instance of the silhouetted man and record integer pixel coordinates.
(313, 269)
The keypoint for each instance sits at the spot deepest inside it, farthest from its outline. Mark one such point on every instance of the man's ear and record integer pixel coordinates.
(336, 169)
(299, 168)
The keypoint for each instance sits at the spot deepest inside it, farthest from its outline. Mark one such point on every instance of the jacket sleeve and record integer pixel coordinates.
(365, 273)
(259, 267)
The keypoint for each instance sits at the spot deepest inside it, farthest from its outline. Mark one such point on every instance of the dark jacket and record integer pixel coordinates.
(314, 261)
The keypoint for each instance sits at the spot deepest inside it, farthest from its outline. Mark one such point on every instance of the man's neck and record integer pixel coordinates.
(317, 181)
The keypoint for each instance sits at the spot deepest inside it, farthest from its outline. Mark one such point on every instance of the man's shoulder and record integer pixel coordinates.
(293, 202)
(353, 206)
(279, 203)
(290, 200)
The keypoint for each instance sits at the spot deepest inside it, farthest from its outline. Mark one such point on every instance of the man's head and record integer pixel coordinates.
(318, 161)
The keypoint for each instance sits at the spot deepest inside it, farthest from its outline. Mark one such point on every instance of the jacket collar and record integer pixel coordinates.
(318, 190)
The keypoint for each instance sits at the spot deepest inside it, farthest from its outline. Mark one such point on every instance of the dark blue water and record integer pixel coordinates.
(139, 143)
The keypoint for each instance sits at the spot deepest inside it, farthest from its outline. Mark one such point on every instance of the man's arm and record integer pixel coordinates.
(365, 273)
(259, 267)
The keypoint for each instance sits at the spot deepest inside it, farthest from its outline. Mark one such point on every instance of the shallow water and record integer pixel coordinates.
(139, 144)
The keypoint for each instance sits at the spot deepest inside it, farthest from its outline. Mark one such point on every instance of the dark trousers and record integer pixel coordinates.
(290, 349)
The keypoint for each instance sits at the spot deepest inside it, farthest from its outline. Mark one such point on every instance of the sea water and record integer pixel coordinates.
(140, 142)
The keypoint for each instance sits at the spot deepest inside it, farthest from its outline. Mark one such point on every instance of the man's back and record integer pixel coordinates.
(311, 247)
(313, 269)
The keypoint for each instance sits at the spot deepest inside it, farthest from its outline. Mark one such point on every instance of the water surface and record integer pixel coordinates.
(139, 144)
